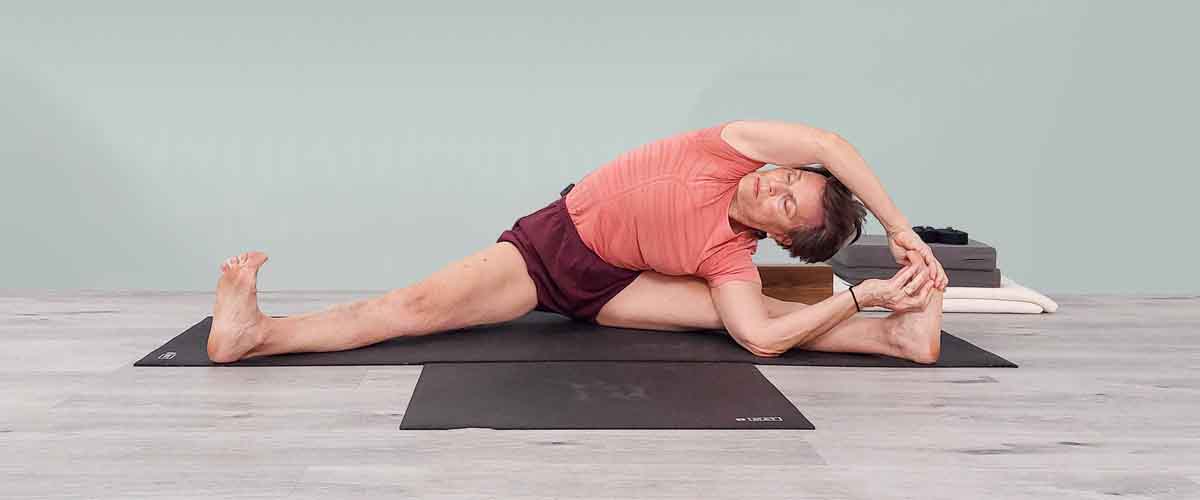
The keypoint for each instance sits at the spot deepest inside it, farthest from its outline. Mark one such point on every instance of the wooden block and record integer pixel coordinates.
(807, 283)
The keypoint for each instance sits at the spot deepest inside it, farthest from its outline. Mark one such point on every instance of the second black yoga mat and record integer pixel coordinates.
(540, 336)
(598, 395)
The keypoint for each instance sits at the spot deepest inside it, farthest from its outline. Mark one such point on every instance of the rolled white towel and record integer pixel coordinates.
(1010, 297)
(989, 306)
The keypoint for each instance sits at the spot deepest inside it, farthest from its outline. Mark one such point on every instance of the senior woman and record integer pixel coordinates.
(660, 238)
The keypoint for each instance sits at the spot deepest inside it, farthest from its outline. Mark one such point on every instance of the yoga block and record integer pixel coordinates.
(958, 277)
(806, 283)
(871, 250)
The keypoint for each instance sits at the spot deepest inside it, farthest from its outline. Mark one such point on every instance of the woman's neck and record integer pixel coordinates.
(735, 219)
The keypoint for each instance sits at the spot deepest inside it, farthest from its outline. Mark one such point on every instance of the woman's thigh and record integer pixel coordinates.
(489, 286)
(657, 301)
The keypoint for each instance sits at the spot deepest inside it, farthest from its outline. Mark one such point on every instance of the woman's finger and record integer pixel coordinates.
(903, 276)
(926, 293)
(931, 262)
(914, 285)
(933, 265)
(917, 301)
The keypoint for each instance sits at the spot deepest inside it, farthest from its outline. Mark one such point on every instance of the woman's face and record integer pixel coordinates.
(781, 200)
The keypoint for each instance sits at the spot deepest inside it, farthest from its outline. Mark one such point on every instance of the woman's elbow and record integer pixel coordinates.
(763, 349)
(765, 354)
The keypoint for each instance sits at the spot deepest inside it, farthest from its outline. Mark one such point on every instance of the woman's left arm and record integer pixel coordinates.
(843, 161)
(795, 144)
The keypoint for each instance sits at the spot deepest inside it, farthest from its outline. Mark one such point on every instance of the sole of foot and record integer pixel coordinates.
(238, 324)
(917, 335)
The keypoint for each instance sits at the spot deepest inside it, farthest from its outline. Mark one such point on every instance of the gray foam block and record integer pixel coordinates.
(871, 250)
(958, 277)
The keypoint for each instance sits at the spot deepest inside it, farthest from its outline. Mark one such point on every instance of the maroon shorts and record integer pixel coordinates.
(571, 279)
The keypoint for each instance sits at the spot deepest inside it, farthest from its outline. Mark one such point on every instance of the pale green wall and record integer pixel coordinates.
(364, 145)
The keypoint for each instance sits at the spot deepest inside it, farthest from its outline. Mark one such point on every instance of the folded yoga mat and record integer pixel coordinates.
(541, 336)
(598, 395)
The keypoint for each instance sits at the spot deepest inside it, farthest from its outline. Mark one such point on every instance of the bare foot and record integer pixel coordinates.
(917, 335)
(238, 325)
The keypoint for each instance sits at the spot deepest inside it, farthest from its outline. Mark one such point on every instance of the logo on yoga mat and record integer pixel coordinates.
(759, 419)
(606, 390)
(167, 355)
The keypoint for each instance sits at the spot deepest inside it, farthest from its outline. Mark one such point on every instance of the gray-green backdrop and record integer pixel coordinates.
(364, 145)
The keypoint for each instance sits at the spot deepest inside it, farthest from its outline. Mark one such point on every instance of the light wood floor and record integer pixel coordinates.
(1106, 403)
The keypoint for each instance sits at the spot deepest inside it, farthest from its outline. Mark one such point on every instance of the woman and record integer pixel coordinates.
(660, 238)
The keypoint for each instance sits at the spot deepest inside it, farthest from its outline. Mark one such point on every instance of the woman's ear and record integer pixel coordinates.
(782, 239)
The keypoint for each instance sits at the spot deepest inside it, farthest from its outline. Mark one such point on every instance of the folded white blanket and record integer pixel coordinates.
(1010, 297)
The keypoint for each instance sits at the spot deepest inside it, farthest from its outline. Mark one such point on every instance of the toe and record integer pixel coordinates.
(255, 259)
(246, 260)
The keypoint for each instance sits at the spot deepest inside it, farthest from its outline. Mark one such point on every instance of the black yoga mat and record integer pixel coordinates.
(541, 336)
(598, 395)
